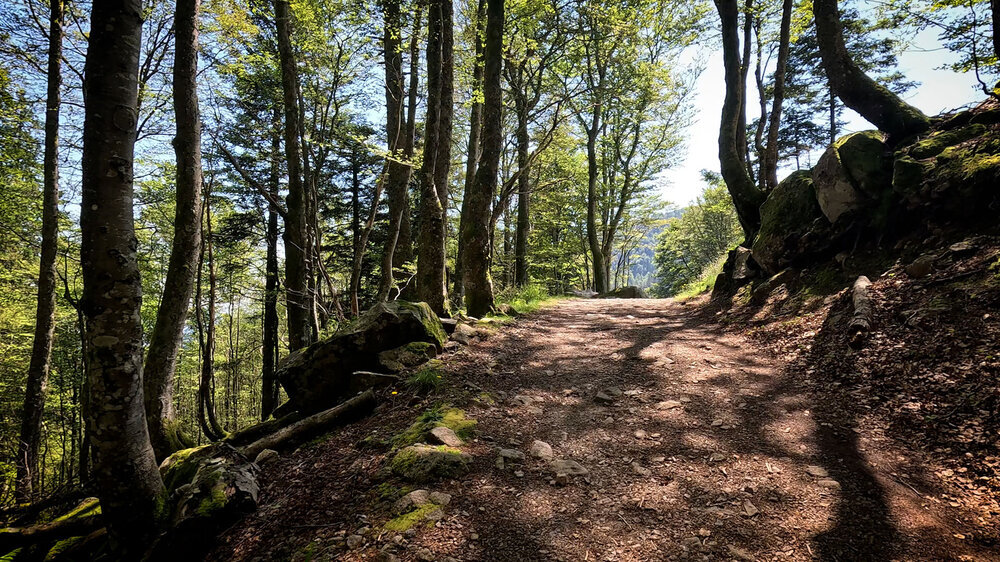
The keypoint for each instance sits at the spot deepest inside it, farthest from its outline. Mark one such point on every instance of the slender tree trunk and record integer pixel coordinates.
(593, 240)
(744, 74)
(269, 387)
(296, 249)
(397, 173)
(355, 227)
(523, 225)
(168, 333)
(473, 147)
(856, 89)
(476, 229)
(995, 21)
(832, 102)
(125, 470)
(774, 125)
(404, 243)
(746, 197)
(431, 278)
(206, 385)
(45, 312)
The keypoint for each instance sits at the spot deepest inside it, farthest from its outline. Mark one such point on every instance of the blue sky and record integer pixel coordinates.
(939, 90)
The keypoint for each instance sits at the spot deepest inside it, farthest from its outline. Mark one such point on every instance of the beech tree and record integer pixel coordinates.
(45, 312)
(125, 470)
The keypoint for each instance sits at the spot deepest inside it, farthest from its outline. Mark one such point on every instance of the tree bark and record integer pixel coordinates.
(299, 308)
(473, 147)
(404, 242)
(398, 168)
(856, 89)
(861, 322)
(45, 312)
(206, 334)
(269, 380)
(13, 538)
(125, 469)
(746, 197)
(431, 278)
(476, 229)
(770, 171)
(995, 21)
(168, 333)
(523, 224)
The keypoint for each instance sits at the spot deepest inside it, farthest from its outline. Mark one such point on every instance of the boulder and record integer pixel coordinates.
(464, 333)
(853, 173)
(408, 356)
(323, 374)
(630, 292)
(424, 463)
(785, 216)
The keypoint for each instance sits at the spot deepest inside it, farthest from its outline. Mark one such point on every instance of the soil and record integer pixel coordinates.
(730, 440)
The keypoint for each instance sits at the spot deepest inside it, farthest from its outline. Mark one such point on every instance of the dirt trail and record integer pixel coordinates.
(713, 451)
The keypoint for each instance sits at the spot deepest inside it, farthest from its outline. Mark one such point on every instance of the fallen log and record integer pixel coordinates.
(313, 425)
(254, 432)
(861, 323)
(16, 537)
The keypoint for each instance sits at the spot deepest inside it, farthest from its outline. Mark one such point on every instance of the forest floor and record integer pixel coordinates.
(721, 441)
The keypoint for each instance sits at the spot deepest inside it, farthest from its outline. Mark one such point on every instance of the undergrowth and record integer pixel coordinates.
(705, 281)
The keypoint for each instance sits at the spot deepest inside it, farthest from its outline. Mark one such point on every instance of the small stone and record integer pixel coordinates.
(640, 434)
(463, 334)
(609, 419)
(519, 473)
(717, 423)
(266, 456)
(921, 267)
(641, 470)
(534, 410)
(717, 457)
(425, 554)
(540, 450)
(691, 543)
(569, 467)
(474, 536)
(411, 500)
(446, 436)
(602, 398)
(668, 405)
(750, 509)
(511, 454)
(562, 479)
(613, 392)
(355, 541)
(817, 471)
(685, 399)
(658, 459)
(440, 498)
(435, 515)
(522, 400)
(829, 483)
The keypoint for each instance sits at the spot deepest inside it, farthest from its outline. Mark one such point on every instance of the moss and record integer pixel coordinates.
(788, 211)
(865, 158)
(176, 437)
(428, 377)
(388, 492)
(422, 463)
(430, 320)
(88, 507)
(216, 500)
(180, 467)
(408, 520)
(938, 142)
(437, 416)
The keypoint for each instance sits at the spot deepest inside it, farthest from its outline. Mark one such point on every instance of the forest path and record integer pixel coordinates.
(712, 450)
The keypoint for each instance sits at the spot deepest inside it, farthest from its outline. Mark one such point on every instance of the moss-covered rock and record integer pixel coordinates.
(323, 374)
(438, 416)
(408, 356)
(937, 142)
(424, 463)
(868, 162)
(786, 215)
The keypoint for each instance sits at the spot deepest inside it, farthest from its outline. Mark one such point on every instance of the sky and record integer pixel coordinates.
(939, 90)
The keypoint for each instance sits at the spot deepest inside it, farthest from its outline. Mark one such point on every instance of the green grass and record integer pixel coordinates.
(428, 377)
(705, 281)
(437, 415)
(524, 300)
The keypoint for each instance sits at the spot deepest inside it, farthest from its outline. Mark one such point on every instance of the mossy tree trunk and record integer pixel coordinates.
(856, 89)
(125, 471)
(476, 229)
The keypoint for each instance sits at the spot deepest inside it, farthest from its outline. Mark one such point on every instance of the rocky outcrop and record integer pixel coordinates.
(852, 174)
(330, 371)
(786, 216)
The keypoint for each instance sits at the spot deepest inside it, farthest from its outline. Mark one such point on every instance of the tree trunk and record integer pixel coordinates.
(168, 333)
(45, 312)
(125, 470)
(746, 197)
(856, 89)
(770, 171)
(473, 151)
(744, 73)
(397, 173)
(523, 225)
(296, 251)
(404, 243)
(995, 20)
(206, 333)
(431, 279)
(476, 229)
(355, 231)
(269, 380)
(597, 254)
